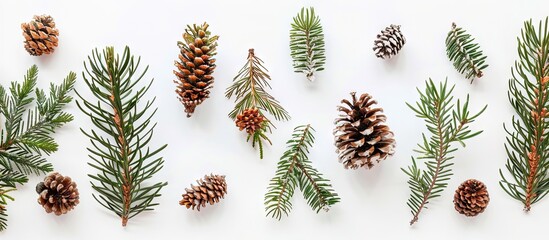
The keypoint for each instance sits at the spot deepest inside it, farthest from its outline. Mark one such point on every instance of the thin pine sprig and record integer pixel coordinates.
(527, 141)
(123, 119)
(466, 55)
(26, 133)
(249, 88)
(448, 122)
(307, 43)
(295, 170)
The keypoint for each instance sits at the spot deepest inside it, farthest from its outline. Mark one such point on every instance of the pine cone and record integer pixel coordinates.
(471, 198)
(58, 194)
(40, 35)
(195, 66)
(389, 42)
(250, 119)
(361, 136)
(209, 190)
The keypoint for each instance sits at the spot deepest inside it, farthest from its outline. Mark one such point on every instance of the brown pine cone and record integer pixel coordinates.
(209, 190)
(40, 35)
(250, 119)
(471, 198)
(361, 136)
(58, 194)
(195, 66)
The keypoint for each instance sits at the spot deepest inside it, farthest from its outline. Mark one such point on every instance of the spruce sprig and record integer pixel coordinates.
(528, 139)
(307, 43)
(26, 133)
(467, 57)
(295, 170)
(448, 122)
(124, 128)
(249, 88)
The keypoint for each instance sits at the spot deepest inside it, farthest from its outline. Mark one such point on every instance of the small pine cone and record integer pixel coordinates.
(471, 198)
(389, 42)
(40, 35)
(58, 194)
(195, 66)
(361, 136)
(250, 119)
(209, 190)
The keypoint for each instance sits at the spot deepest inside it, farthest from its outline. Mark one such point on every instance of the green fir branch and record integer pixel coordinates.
(249, 88)
(527, 141)
(448, 122)
(124, 128)
(466, 55)
(307, 43)
(294, 169)
(26, 133)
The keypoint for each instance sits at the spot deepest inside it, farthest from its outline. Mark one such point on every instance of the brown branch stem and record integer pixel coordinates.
(126, 179)
(443, 148)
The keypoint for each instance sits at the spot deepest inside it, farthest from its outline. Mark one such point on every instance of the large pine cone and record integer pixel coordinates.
(58, 194)
(361, 136)
(250, 119)
(389, 42)
(471, 198)
(195, 66)
(40, 35)
(209, 190)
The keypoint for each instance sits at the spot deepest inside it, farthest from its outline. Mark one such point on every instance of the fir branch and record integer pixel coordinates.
(249, 89)
(294, 169)
(527, 141)
(467, 57)
(307, 43)
(121, 155)
(26, 133)
(448, 123)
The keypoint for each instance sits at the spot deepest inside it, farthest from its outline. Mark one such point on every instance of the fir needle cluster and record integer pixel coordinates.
(26, 132)
(307, 43)
(295, 170)
(465, 53)
(124, 129)
(448, 122)
(528, 141)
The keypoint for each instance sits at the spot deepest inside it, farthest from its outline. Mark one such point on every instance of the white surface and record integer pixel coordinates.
(373, 202)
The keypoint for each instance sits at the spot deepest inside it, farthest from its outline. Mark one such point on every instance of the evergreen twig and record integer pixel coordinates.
(448, 122)
(307, 43)
(249, 89)
(528, 139)
(124, 128)
(26, 133)
(467, 57)
(294, 169)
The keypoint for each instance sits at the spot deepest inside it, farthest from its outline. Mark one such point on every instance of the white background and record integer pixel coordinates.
(373, 201)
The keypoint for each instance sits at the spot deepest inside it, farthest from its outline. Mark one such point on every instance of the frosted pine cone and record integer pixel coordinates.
(389, 42)
(361, 136)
